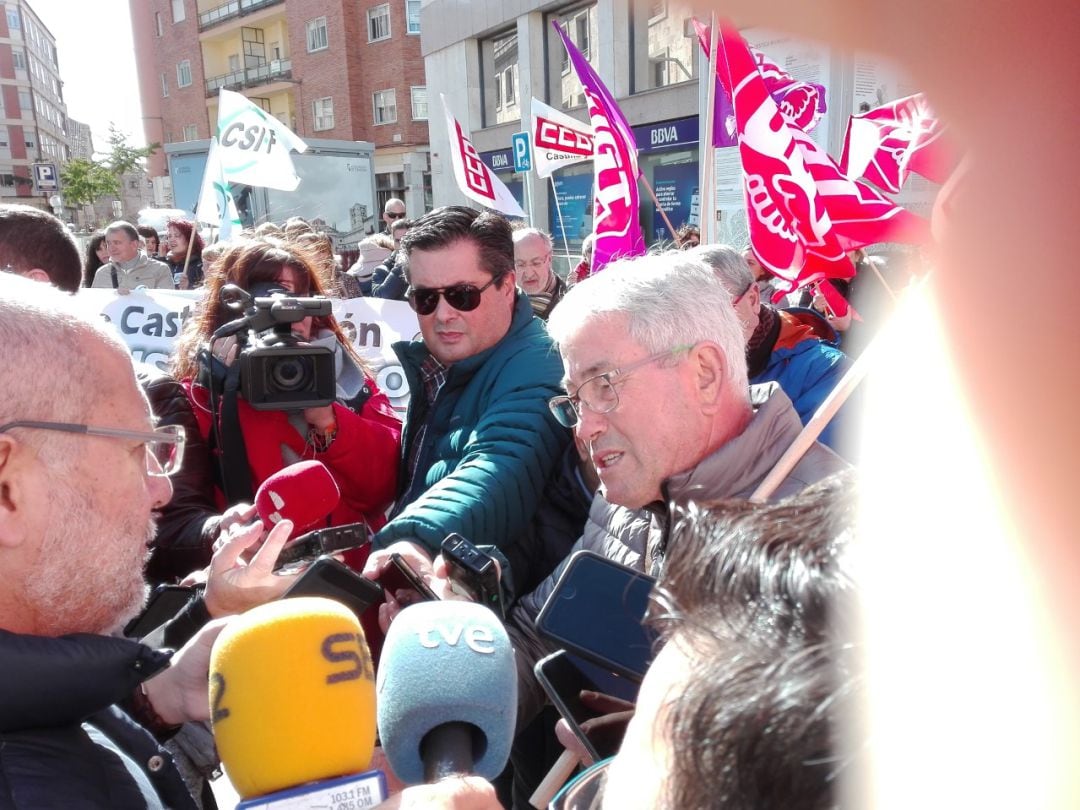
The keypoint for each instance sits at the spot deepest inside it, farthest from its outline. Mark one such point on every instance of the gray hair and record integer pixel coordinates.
(520, 234)
(670, 299)
(44, 375)
(730, 266)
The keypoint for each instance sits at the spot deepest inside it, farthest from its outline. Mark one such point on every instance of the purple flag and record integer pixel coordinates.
(615, 168)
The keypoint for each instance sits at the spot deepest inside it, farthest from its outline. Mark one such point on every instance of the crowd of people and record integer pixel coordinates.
(531, 439)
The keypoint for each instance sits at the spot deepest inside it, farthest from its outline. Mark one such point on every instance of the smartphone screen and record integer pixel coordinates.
(330, 578)
(401, 576)
(596, 610)
(563, 677)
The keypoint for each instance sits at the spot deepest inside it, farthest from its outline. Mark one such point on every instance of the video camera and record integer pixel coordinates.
(278, 371)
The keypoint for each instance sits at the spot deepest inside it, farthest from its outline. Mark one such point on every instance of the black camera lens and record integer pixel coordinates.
(289, 374)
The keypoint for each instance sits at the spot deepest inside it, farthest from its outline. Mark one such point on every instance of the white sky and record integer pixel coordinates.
(97, 64)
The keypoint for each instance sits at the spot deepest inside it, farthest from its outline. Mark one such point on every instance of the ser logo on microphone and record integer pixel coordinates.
(478, 638)
(341, 647)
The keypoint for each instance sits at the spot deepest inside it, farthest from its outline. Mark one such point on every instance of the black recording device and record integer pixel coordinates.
(278, 371)
(473, 573)
(330, 578)
(564, 677)
(597, 610)
(401, 576)
(320, 542)
(164, 603)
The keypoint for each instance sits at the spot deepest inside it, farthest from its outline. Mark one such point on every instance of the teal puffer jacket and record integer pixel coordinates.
(491, 442)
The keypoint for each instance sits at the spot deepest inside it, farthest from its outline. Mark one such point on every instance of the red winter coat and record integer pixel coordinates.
(363, 458)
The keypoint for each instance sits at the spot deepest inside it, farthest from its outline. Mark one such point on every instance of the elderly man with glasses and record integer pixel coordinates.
(82, 470)
(532, 261)
(655, 370)
(479, 441)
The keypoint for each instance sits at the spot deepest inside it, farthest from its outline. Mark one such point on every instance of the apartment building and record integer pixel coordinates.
(33, 115)
(340, 70)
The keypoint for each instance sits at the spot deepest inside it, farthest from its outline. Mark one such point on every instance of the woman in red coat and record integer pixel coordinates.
(357, 437)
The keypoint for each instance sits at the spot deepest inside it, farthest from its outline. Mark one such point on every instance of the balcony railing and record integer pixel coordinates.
(251, 77)
(234, 8)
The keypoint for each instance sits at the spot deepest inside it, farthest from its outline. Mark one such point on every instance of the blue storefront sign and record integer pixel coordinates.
(679, 133)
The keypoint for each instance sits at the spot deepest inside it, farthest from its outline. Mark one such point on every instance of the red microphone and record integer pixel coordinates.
(305, 493)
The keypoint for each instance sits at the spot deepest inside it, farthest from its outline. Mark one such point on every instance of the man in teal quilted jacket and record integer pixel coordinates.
(480, 442)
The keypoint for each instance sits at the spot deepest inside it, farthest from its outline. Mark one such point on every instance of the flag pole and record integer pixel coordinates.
(660, 208)
(707, 213)
(562, 227)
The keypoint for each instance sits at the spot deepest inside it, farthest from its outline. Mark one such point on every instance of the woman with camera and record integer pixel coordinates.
(357, 436)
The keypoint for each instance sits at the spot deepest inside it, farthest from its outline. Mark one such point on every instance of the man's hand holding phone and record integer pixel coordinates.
(235, 584)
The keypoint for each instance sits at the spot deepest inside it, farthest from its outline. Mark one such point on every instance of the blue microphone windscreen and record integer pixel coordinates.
(445, 662)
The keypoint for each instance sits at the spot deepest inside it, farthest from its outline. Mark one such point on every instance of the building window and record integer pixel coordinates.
(419, 103)
(28, 139)
(500, 69)
(159, 26)
(664, 49)
(322, 110)
(581, 27)
(13, 19)
(183, 73)
(164, 86)
(190, 132)
(317, 37)
(19, 58)
(378, 23)
(178, 14)
(387, 185)
(385, 105)
(24, 100)
(412, 16)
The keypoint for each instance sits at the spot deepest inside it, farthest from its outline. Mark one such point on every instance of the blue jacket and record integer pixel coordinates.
(807, 364)
(491, 443)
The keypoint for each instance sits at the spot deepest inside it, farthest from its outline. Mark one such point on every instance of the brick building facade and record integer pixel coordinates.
(338, 70)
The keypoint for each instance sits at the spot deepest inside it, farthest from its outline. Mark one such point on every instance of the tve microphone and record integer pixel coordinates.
(292, 699)
(447, 692)
(304, 493)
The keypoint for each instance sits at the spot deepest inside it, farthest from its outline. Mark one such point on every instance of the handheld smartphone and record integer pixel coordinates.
(564, 677)
(473, 573)
(596, 611)
(330, 578)
(164, 603)
(311, 546)
(401, 576)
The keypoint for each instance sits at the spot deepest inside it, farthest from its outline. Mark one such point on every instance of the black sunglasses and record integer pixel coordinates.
(462, 297)
(392, 215)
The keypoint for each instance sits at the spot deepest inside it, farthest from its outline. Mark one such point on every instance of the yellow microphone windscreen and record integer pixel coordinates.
(292, 695)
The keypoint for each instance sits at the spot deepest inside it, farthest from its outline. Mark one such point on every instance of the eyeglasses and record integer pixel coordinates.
(462, 297)
(598, 393)
(394, 214)
(165, 444)
(585, 791)
(536, 263)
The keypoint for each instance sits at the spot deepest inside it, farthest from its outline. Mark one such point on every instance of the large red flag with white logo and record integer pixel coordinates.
(887, 143)
(804, 213)
(615, 168)
(474, 178)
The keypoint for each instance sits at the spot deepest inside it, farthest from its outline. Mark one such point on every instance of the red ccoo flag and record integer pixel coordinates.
(804, 213)
(886, 143)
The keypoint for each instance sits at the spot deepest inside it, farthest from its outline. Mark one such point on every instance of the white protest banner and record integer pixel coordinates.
(216, 205)
(253, 146)
(558, 139)
(150, 321)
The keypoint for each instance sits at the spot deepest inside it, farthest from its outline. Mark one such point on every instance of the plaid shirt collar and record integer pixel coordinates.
(433, 375)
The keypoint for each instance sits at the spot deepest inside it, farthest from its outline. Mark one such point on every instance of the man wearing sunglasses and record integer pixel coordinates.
(479, 440)
(393, 211)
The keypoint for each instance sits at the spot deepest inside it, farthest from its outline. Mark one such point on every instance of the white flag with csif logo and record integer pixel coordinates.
(216, 205)
(253, 146)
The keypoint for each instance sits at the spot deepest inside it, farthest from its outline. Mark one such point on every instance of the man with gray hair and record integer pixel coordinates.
(796, 348)
(129, 267)
(532, 260)
(655, 370)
